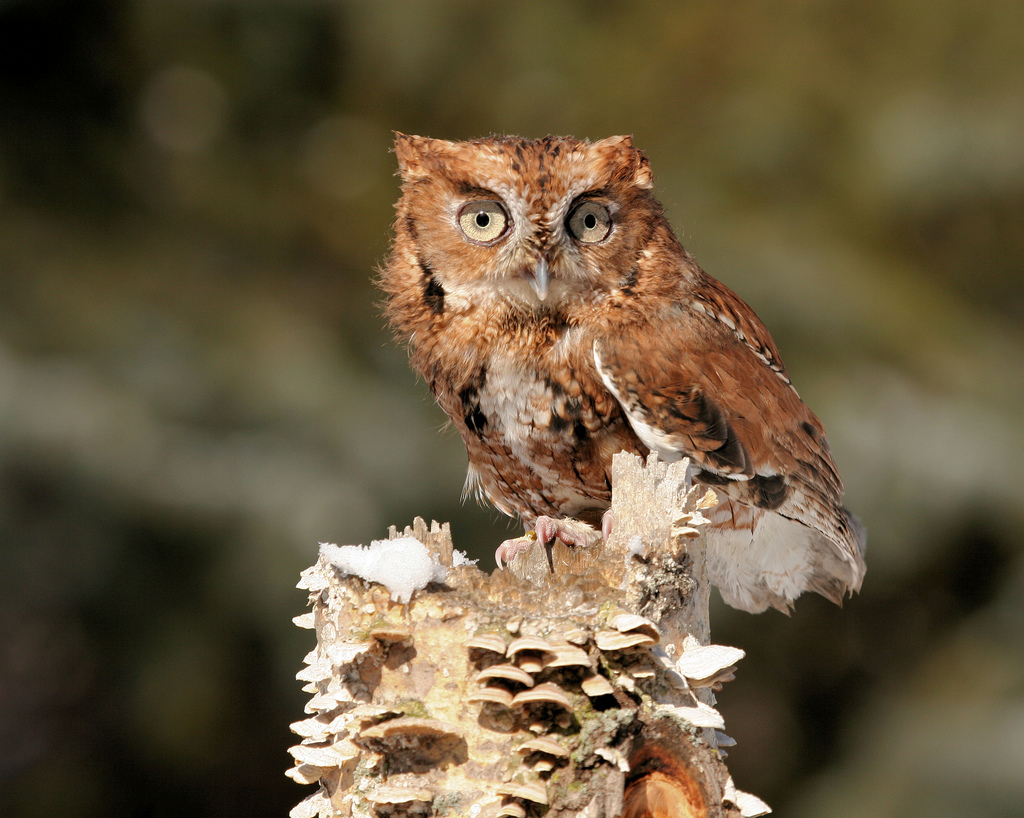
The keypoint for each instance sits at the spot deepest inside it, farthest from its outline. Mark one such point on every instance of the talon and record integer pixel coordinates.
(546, 529)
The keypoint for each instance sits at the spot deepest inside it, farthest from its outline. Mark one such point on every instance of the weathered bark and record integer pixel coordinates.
(576, 684)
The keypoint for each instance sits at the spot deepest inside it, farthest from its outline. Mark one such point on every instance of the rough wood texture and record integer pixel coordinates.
(572, 685)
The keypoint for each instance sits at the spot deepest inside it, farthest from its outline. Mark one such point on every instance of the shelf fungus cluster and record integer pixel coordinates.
(490, 696)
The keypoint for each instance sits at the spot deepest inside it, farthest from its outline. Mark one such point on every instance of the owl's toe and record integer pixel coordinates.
(510, 549)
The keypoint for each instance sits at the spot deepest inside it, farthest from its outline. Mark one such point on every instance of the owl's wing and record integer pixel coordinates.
(703, 380)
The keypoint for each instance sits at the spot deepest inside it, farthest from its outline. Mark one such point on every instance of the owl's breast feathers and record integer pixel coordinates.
(539, 426)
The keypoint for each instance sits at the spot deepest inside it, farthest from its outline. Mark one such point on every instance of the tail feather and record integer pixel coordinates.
(759, 559)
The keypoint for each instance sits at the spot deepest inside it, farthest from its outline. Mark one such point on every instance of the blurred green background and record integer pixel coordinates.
(196, 385)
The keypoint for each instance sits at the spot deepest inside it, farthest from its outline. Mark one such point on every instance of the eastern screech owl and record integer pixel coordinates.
(558, 320)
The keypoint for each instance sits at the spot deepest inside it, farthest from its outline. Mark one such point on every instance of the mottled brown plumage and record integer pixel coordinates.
(557, 320)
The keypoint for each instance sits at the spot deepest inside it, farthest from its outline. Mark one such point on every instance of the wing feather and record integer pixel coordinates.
(712, 387)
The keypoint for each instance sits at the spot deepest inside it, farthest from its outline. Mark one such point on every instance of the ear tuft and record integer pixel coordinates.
(417, 155)
(643, 177)
(620, 149)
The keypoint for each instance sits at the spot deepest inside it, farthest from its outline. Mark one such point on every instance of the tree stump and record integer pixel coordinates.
(573, 684)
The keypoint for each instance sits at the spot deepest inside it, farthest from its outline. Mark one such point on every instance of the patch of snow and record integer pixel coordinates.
(402, 566)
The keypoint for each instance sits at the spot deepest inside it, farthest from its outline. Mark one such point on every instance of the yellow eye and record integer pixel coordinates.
(483, 222)
(590, 222)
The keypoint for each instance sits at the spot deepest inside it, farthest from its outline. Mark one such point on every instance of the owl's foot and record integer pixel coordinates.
(573, 533)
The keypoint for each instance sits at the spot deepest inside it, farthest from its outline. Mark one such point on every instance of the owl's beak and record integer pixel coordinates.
(540, 278)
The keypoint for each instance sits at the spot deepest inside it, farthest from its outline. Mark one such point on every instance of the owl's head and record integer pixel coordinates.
(531, 223)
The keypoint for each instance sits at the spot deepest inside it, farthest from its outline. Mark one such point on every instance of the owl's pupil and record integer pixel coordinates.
(590, 221)
(482, 220)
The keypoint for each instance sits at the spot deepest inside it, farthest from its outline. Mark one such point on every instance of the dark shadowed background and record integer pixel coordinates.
(196, 386)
